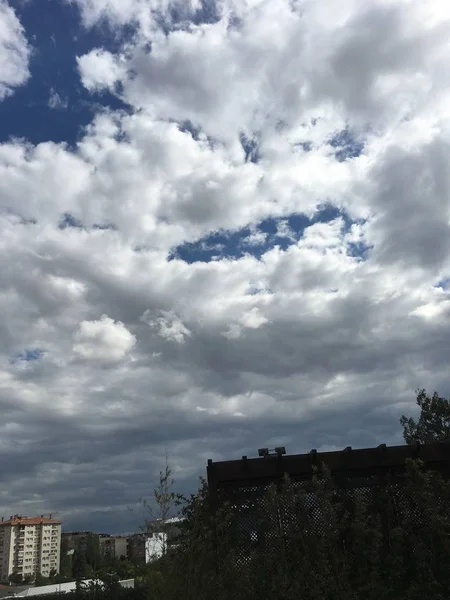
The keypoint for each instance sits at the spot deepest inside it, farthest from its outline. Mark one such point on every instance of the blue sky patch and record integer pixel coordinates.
(346, 145)
(27, 355)
(104, 226)
(250, 147)
(189, 127)
(305, 146)
(196, 132)
(53, 105)
(207, 13)
(444, 284)
(359, 250)
(68, 220)
(179, 16)
(282, 232)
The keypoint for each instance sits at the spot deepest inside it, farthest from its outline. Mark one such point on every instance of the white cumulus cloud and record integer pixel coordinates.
(104, 340)
(100, 69)
(14, 51)
(168, 326)
(253, 319)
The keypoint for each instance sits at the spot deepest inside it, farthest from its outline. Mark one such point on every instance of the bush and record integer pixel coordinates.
(317, 541)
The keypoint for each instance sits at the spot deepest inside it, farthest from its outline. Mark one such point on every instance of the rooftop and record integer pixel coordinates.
(7, 591)
(20, 520)
(55, 588)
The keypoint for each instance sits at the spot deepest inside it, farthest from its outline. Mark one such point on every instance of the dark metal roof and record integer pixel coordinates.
(347, 462)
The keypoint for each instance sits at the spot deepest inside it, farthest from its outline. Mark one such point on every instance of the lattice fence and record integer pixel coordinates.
(270, 519)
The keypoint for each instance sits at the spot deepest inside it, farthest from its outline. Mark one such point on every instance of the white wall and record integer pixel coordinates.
(154, 546)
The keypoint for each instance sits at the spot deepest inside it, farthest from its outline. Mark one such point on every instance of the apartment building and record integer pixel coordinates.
(29, 545)
(136, 547)
(161, 537)
(78, 540)
(114, 545)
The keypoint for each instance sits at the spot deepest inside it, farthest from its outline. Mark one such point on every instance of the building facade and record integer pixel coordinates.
(79, 540)
(29, 545)
(161, 537)
(114, 546)
(136, 547)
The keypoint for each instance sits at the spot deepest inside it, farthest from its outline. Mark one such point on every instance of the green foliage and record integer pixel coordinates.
(111, 584)
(122, 568)
(316, 541)
(15, 579)
(164, 505)
(94, 557)
(80, 569)
(41, 580)
(433, 424)
(65, 568)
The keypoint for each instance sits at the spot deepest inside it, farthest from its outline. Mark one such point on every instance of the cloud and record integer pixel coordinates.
(255, 238)
(100, 69)
(102, 341)
(284, 230)
(253, 319)
(279, 62)
(14, 51)
(233, 332)
(56, 101)
(254, 285)
(122, 12)
(168, 326)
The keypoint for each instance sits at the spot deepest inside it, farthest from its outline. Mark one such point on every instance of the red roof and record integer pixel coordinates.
(16, 520)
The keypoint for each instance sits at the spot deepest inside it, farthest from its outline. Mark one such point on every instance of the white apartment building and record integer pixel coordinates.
(29, 545)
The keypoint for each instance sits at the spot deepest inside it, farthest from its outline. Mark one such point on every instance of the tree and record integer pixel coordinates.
(66, 559)
(111, 584)
(41, 580)
(166, 502)
(80, 566)
(389, 541)
(15, 578)
(93, 552)
(433, 424)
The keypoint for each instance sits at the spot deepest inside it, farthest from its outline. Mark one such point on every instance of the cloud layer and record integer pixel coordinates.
(14, 51)
(246, 121)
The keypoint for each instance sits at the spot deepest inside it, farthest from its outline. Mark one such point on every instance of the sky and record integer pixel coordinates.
(224, 225)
